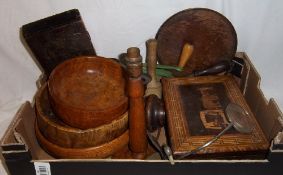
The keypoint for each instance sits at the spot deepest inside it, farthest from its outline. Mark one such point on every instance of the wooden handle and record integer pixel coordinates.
(186, 54)
(154, 86)
(137, 125)
(217, 68)
(151, 45)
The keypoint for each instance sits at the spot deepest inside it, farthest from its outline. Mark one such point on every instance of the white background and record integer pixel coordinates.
(115, 25)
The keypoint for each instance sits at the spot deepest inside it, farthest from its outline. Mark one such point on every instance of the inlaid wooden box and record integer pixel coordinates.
(195, 109)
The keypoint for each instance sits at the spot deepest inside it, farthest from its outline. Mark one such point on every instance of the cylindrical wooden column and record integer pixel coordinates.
(154, 86)
(137, 126)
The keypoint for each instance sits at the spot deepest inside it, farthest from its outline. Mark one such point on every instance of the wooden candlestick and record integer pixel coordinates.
(137, 126)
(154, 86)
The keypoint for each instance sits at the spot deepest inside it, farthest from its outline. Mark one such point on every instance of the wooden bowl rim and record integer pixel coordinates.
(104, 150)
(119, 103)
(71, 129)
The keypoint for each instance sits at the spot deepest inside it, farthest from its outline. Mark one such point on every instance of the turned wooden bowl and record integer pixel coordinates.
(57, 132)
(96, 152)
(88, 92)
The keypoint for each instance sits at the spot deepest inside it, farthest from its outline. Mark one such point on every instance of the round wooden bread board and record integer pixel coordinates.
(211, 34)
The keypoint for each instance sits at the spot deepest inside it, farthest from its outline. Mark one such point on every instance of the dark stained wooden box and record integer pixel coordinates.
(195, 109)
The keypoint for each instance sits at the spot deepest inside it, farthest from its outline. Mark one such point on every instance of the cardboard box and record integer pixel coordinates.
(23, 155)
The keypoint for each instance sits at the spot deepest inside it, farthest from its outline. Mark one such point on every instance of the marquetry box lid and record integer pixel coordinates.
(195, 110)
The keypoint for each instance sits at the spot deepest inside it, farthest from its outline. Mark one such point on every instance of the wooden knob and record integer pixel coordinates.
(134, 62)
(155, 113)
(186, 54)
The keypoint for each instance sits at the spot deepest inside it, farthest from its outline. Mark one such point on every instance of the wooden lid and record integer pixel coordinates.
(195, 111)
(210, 33)
(59, 133)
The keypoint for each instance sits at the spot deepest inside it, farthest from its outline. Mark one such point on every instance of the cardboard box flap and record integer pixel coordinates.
(19, 140)
(267, 112)
(12, 140)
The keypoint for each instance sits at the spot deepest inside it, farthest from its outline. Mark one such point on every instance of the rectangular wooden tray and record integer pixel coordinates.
(195, 109)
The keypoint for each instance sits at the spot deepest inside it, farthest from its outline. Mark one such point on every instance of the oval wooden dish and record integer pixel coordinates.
(56, 131)
(211, 34)
(87, 92)
(97, 152)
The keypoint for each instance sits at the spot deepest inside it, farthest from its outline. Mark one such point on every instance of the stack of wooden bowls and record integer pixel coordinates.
(82, 110)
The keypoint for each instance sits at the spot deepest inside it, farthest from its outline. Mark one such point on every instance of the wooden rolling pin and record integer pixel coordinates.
(154, 86)
(186, 54)
(137, 124)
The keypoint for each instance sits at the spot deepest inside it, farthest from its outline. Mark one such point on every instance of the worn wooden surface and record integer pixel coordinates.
(154, 86)
(195, 113)
(87, 92)
(211, 34)
(57, 38)
(155, 113)
(61, 134)
(186, 54)
(101, 151)
(137, 127)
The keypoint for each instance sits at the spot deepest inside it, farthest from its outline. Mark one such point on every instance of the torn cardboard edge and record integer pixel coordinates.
(266, 112)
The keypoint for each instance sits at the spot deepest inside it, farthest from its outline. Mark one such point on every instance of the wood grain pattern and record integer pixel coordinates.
(61, 134)
(101, 151)
(154, 86)
(87, 92)
(212, 35)
(57, 38)
(186, 54)
(137, 126)
(183, 138)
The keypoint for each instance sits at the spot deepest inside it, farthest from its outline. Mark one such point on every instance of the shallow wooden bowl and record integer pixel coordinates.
(57, 132)
(97, 152)
(87, 92)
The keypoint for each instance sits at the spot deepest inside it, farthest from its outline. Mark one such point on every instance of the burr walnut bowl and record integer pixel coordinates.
(86, 92)
(61, 134)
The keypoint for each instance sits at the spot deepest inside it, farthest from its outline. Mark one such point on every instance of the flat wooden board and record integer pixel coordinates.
(57, 38)
(195, 109)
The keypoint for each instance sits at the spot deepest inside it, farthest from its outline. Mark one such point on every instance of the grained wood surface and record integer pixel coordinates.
(87, 92)
(154, 86)
(57, 38)
(195, 112)
(137, 126)
(101, 151)
(211, 34)
(59, 133)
